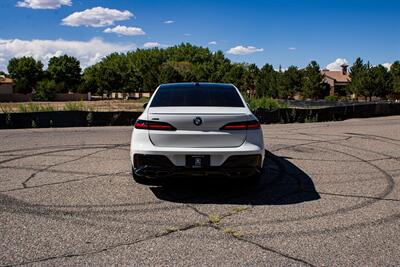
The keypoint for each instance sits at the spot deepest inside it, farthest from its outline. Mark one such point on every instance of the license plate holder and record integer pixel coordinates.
(197, 161)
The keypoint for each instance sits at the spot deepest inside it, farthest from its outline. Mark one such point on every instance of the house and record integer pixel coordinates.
(337, 80)
(6, 85)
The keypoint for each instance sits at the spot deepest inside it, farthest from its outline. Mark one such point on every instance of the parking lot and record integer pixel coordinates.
(330, 196)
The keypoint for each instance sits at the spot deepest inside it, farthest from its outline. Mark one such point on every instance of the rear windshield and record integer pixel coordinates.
(197, 96)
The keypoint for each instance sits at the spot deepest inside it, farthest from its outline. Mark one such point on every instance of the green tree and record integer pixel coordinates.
(185, 70)
(169, 74)
(66, 72)
(219, 65)
(235, 75)
(359, 78)
(90, 80)
(290, 82)
(266, 83)
(45, 90)
(115, 73)
(312, 81)
(2, 73)
(148, 63)
(395, 77)
(250, 79)
(26, 72)
(380, 81)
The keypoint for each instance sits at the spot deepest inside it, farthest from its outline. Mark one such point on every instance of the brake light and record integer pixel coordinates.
(253, 125)
(154, 125)
(242, 125)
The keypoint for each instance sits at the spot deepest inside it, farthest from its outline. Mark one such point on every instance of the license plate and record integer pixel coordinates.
(198, 161)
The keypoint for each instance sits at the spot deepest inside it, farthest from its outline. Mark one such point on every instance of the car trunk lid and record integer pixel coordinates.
(197, 127)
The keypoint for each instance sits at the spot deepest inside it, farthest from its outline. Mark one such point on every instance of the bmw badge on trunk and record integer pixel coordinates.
(197, 121)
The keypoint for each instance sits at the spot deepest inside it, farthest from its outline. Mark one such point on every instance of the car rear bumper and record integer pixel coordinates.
(158, 166)
(172, 161)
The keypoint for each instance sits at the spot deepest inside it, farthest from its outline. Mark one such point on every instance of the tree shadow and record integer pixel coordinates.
(282, 183)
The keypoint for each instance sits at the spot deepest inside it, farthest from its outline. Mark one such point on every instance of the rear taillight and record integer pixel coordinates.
(242, 125)
(154, 125)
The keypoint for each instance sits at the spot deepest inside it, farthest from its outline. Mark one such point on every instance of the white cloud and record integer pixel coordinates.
(336, 65)
(187, 34)
(96, 17)
(169, 21)
(244, 50)
(153, 44)
(292, 48)
(282, 69)
(387, 65)
(212, 43)
(43, 4)
(123, 30)
(88, 52)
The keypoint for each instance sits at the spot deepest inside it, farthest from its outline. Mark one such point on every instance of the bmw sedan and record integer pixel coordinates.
(196, 129)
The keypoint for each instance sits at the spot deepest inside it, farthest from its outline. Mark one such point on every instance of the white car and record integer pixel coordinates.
(196, 129)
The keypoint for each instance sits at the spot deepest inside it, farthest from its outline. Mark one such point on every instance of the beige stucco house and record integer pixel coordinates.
(337, 80)
(6, 85)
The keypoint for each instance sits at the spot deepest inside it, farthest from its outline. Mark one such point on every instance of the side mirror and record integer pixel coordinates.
(145, 105)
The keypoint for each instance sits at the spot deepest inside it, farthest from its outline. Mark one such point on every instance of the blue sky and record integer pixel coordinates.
(287, 32)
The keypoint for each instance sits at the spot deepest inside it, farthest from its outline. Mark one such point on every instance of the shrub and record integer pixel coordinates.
(331, 98)
(45, 90)
(5, 109)
(75, 106)
(265, 103)
(34, 107)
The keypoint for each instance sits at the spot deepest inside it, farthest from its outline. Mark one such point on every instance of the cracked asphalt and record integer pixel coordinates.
(330, 196)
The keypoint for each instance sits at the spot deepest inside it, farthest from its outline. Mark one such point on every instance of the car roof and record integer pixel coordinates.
(196, 84)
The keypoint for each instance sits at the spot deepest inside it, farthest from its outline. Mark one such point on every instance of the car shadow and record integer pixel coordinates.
(282, 183)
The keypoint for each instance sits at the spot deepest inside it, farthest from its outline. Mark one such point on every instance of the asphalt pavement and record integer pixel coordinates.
(330, 196)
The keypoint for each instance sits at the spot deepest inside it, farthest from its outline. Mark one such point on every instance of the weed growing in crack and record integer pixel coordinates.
(213, 218)
(171, 229)
(240, 209)
(232, 232)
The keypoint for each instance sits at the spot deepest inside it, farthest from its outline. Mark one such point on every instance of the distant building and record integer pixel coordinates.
(337, 80)
(6, 85)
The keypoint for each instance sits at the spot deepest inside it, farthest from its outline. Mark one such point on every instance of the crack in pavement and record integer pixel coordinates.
(93, 252)
(216, 226)
(79, 146)
(24, 184)
(309, 143)
(64, 182)
(54, 171)
(265, 248)
(357, 196)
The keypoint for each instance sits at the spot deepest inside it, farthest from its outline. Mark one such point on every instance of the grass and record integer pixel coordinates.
(97, 105)
(77, 106)
(213, 218)
(240, 209)
(35, 107)
(232, 232)
(5, 109)
(171, 229)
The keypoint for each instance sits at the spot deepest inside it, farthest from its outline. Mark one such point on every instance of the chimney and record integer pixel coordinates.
(344, 68)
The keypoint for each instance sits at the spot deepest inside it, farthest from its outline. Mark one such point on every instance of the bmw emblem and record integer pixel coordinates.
(197, 121)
